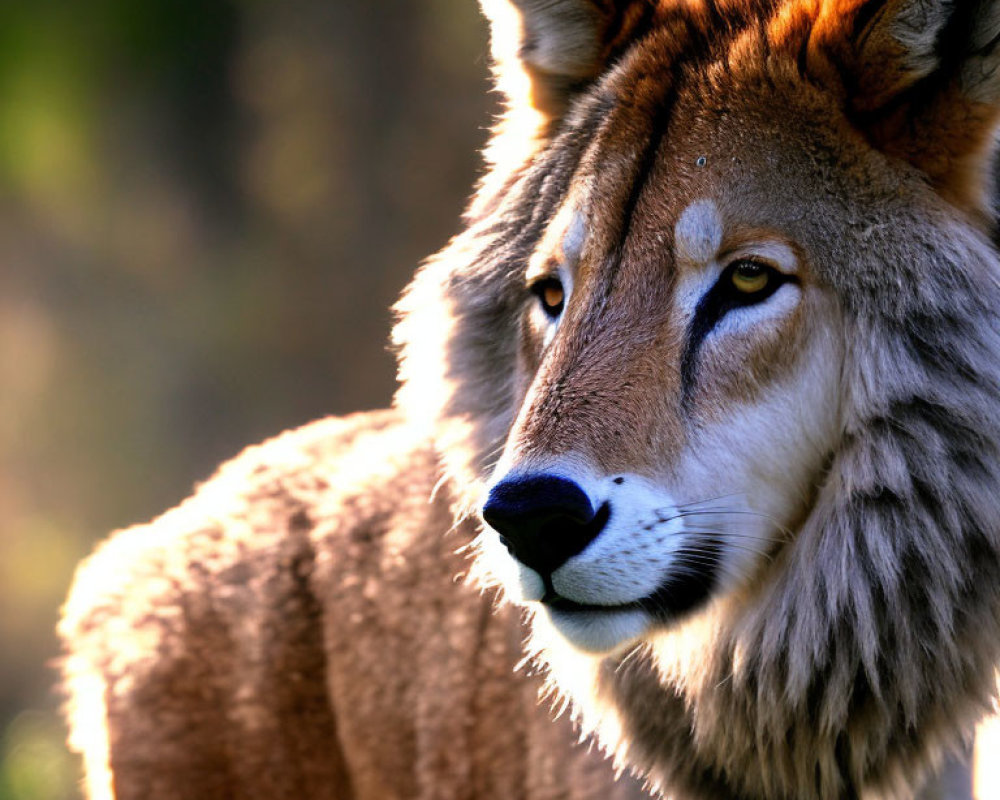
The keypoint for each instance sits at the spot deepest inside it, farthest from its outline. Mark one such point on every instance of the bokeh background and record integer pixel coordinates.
(206, 209)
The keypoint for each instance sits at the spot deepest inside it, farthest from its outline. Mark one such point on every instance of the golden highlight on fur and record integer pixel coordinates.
(729, 277)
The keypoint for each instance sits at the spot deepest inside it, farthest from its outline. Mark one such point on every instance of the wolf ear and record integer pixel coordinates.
(923, 79)
(546, 50)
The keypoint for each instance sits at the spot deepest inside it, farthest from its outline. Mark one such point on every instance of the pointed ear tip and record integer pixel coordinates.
(554, 46)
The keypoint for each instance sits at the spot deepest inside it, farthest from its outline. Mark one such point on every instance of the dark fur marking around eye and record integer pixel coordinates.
(713, 306)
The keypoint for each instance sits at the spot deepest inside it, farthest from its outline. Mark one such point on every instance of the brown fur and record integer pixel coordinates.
(263, 640)
(295, 629)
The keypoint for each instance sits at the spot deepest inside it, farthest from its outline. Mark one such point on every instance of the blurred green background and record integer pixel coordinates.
(206, 209)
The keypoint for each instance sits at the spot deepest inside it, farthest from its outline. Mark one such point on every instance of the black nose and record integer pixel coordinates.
(543, 519)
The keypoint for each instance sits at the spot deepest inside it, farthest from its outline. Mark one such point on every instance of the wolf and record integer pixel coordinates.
(701, 411)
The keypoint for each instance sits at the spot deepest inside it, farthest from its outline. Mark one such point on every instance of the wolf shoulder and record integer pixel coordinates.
(311, 506)
(309, 603)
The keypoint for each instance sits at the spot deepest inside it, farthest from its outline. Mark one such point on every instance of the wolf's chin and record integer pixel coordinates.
(600, 632)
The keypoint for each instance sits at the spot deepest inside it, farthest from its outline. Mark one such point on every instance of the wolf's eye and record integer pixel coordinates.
(748, 282)
(551, 295)
(750, 277)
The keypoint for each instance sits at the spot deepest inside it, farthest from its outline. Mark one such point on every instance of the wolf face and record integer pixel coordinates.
(684, 392)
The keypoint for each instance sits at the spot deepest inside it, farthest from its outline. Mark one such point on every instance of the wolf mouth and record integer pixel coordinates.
(678, 595)
(559, 603)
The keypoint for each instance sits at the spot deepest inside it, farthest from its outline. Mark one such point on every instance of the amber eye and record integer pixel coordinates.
(551, 294)
(750, 277)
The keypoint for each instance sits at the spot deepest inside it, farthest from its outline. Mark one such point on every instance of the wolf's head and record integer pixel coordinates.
(719, 355)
